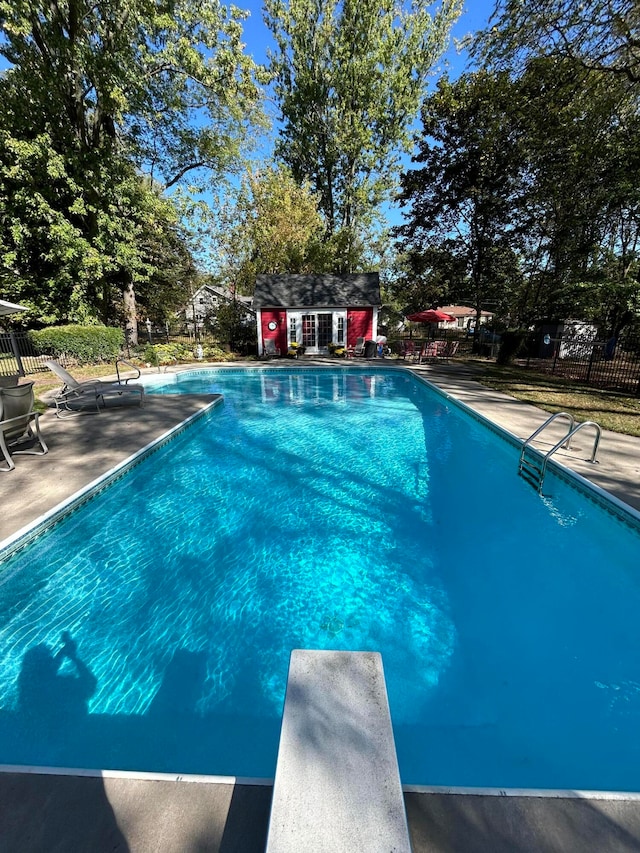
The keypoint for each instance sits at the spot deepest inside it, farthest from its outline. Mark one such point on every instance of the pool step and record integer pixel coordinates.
(337, 786)
(531, 472)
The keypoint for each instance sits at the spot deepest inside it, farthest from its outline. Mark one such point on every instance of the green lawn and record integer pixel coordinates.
(613, 411)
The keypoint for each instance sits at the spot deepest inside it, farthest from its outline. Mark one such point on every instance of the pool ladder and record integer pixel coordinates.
(533, 468)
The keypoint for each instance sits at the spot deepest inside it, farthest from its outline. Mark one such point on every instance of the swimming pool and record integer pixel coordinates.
(347, 509)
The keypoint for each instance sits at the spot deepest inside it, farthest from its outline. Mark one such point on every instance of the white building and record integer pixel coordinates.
(464, 315)
(207, 298)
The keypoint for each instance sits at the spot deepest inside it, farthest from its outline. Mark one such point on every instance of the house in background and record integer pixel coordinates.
(316, 310)
(465, 317)
(206, 299)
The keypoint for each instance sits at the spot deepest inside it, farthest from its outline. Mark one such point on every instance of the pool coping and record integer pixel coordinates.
(205, 779)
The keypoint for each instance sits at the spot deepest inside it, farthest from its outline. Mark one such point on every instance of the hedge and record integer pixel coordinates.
(84, 344)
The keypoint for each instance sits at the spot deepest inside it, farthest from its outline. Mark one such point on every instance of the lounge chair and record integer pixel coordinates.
(269, 348)
(429, 351)
(93, 394)
(358, 349)
(17, 420)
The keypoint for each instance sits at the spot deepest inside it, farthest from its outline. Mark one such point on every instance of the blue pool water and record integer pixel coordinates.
(346, 510)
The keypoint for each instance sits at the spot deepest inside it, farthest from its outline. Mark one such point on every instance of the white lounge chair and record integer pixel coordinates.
(359, 348)
(17, 421)
(93, 394)
(270, 350)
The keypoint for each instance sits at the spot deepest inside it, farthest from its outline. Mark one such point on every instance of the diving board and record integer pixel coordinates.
(337, 786)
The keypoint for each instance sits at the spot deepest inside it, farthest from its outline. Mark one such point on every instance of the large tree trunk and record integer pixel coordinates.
(130, 315)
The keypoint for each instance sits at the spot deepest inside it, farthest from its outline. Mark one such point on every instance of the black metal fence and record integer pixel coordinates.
(612, 364)
(182, 333)
(189, 336)
(18, 356)
(465, 341)
(608, 364)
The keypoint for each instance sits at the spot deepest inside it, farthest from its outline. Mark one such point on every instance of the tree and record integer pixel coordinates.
(349, 78)
(578, 177)
(531, 181)
(64, 272)
(274, 226)
(457, 238)
(117, 84)
(600, 35)
(230, 323)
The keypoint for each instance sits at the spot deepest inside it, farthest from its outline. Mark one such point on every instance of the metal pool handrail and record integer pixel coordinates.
(550, 420)
(571, 434)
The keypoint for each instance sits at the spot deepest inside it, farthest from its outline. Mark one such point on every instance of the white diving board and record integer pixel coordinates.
(337, 786)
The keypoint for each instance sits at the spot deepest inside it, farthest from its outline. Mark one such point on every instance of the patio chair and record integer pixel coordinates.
(440, 350)
(269, 348)
(407, 350)
(358, 349)
(93, 394)
(17, 420)
(450, 350)
(430, 350)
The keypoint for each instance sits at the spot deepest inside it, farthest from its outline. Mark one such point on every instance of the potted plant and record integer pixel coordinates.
(336, 350)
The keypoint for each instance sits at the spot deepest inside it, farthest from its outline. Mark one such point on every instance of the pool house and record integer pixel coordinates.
(316, 310)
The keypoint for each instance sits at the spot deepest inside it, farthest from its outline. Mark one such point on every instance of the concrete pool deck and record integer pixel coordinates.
(135, 812)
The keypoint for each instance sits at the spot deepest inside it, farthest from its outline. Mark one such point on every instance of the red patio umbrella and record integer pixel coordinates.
(432, 315)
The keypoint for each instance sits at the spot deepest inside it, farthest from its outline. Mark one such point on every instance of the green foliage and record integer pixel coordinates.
(273, 227)
(456, 241)
(601, 35)
(349, 78)
(212, 352)
(97, 95)
(526, 200)
(228, 321)
(85, 344)
(133, 72)
(163, 354)
(158, 354)
(150, 355)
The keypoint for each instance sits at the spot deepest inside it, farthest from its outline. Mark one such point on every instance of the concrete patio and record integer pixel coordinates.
(137, 812)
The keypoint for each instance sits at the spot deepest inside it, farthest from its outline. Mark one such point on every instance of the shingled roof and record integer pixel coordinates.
(317, 291)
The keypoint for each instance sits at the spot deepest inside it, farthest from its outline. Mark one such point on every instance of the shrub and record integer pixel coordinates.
(167, 354)
(84, 344)
(216, 353)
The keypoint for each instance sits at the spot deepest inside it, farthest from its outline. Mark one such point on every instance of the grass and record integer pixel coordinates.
(612, 410)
